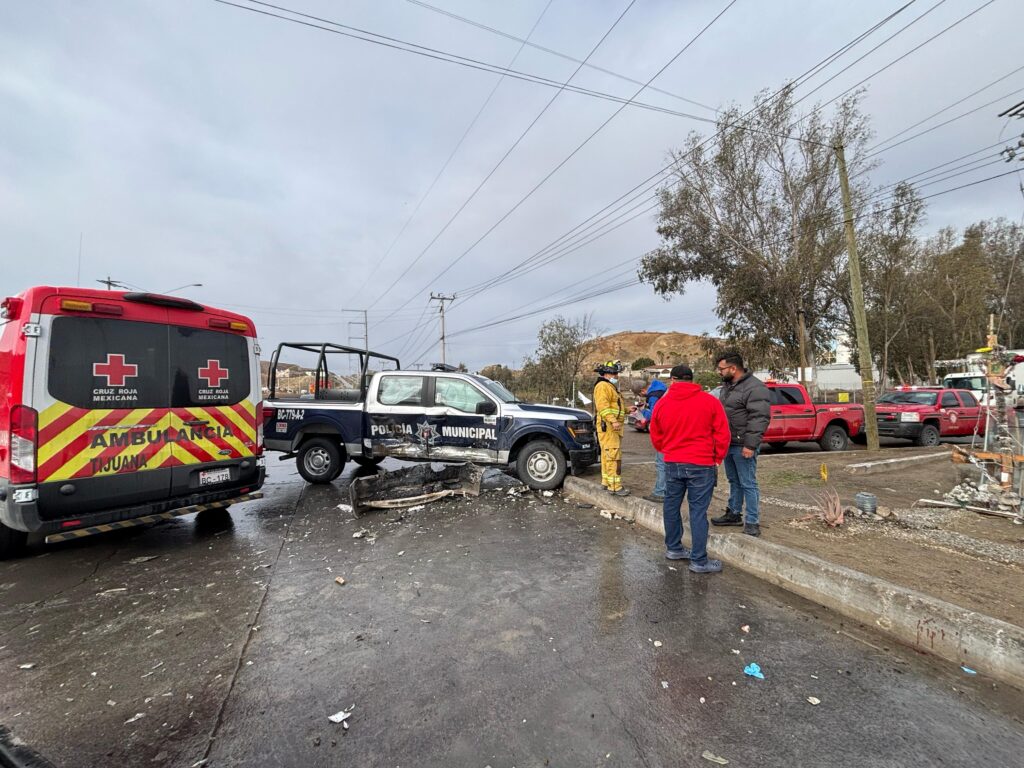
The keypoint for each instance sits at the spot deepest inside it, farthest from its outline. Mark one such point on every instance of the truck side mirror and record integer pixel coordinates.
(486, 408)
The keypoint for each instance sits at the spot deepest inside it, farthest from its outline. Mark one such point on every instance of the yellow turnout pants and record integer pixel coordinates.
(611, 458)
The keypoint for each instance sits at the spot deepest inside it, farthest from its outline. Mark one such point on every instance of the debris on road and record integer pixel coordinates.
(753, 670)
(340, 581)
(417, 508)
(138, 716)
(745, 629)
(345, 507)
(342, 716)
(401, 553)
(153, 670)
(736, 651)
(813, 700)
(145, 559)
(26, 666)
(664, 684)
(548, 494)
(657, 643)
(360, 533)
(113, 591)
(702, 699)
(968, 670)
(414, 486)
(712, 757)
(606, 514)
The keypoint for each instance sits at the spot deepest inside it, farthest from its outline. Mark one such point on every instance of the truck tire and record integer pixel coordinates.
(834, 438)
(12, 542)
(319, 460)
(368, 461)
(928, 437)
(541, 465)
(860, 438)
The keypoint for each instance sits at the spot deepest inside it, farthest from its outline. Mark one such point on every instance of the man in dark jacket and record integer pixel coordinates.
(748, 407)
(689, 427)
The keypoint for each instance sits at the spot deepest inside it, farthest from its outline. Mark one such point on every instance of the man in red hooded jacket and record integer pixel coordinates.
(690, 428)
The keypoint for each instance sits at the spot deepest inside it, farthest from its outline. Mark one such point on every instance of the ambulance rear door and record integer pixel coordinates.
(100, 386)
(213, 395)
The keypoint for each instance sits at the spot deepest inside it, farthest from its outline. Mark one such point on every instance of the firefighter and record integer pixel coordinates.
(610, 412)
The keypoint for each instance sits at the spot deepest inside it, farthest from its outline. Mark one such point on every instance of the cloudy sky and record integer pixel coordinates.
(287, 168)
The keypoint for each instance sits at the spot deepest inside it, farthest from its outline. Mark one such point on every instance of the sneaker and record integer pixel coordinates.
(677, 554)
(655, 498)
(752, 529)
(620, 492)
(708, 566)
(729, 518)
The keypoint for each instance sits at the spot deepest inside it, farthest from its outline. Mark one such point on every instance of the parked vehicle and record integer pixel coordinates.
(437, 415)
(115, 406)
(795, 418)
(928, 414)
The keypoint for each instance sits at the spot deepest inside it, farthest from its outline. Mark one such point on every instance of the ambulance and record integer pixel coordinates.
(121, 408)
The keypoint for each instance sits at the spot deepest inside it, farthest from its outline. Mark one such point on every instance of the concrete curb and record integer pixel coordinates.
(885, 465)
(927, 624)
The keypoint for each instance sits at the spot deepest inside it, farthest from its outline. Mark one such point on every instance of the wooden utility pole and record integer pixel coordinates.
(860, 319)
(441, 298)
(931, 362)
(803, 348)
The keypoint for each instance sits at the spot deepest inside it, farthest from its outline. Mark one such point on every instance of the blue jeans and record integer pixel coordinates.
(659, 482)
(698, 482)
(742, 474)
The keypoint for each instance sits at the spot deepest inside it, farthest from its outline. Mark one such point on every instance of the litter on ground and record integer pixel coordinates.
(664, 684)
(712, 757)
(968, 670)
(138, 716)
(745, 628)
(26, 666)
(657, 643)
(753, 670)
(360, 533)
(813, 700)
(146, 559)
(340, 581)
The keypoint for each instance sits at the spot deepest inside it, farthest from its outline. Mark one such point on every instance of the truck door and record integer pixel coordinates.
(467, 421)
(969, 414)
(800, 420)
(214, 408)
(950, 422)
(396, 417)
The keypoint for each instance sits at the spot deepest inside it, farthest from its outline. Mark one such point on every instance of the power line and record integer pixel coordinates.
(553, 52)
(338, 28)
(458, 146)
(504, 157)
(586, 141)
(655, 179)
(945, 108)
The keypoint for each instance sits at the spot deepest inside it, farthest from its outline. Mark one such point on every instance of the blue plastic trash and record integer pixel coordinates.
(753, 670)
(968, 670)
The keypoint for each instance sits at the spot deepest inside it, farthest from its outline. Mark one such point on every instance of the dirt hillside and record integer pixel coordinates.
(662, 348)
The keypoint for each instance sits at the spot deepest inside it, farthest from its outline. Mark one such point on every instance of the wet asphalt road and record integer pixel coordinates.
(500, 631)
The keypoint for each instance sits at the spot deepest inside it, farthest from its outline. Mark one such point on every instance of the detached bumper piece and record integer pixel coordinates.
(414, 485)
(91, 530)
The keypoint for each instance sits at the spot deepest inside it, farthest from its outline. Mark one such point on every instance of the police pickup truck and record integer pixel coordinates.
(437, 415)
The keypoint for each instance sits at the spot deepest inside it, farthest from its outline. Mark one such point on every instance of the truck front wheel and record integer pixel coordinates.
(541, 465)
(928, 437)
(834, 438)
(319, 460)
(12, 542)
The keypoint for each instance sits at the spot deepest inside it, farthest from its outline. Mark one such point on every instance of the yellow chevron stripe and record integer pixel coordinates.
(80, 461)
(248, 430)
(208, 445)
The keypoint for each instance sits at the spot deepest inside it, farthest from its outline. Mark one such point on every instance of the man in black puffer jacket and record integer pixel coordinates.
(747, 404)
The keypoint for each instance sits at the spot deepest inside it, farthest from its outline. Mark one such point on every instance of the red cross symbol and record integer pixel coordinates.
(115, 370)
(213, 373)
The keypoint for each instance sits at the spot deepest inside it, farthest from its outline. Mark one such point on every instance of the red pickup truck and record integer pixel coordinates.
(796, 419)
(927, 414)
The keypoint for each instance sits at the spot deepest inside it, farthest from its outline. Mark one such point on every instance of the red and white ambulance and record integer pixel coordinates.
(118, 408)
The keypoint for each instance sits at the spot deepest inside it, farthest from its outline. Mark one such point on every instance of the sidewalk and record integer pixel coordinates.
(967, 559)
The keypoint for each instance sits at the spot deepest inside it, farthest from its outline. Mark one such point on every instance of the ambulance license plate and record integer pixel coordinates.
(214, 476)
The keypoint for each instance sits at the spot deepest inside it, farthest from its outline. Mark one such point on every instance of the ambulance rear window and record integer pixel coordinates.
(209, 368)
(104, 363)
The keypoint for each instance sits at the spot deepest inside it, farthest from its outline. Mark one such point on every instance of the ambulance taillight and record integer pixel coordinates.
(24, 422)
(260, 411)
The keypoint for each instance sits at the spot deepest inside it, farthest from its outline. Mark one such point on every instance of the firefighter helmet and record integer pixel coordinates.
(610, 366)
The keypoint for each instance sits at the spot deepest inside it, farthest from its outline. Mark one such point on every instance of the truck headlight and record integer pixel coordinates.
(910, 416)
(580, 430)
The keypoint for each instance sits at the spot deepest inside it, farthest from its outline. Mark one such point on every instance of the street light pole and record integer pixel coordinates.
(860, 319)
(180, 287)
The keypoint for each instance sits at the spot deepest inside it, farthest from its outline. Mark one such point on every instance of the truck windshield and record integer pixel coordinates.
(973, 383)
(910, 398)
(496, 389)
